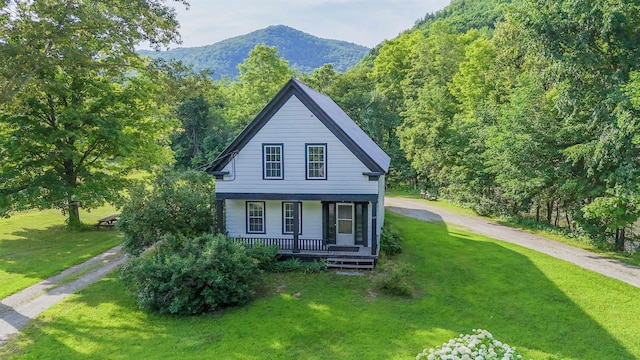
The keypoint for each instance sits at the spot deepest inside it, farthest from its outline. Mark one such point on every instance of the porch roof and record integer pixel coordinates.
(298, 197)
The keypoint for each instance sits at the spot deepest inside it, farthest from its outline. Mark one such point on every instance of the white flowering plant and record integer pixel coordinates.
(478, 346)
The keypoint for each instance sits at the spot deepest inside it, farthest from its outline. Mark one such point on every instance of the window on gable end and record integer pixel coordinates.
(316, 162)
(272, 162)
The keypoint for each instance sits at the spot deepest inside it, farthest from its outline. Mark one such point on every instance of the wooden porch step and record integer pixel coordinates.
(351, 263)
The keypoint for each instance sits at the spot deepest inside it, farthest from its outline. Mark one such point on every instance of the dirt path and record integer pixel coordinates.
(18, 309)
(606, 266)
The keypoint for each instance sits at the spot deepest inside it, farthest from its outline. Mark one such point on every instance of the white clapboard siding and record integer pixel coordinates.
(237, 223)
(293, 125)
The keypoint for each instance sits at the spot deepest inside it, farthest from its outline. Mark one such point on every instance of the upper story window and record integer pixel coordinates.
(272, 163)
(316, 161)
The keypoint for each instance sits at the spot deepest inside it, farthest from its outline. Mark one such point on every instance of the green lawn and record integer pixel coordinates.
(35, 245)
(548, 309)
(582, 243)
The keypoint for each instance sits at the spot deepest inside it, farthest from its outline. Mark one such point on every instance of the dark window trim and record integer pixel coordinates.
(264, 162)
(299, 219)
(306, 161)
(264, 217)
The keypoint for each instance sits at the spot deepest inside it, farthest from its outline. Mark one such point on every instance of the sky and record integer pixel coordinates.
(364, 22)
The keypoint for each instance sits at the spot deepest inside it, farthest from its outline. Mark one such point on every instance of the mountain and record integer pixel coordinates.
(304, 52)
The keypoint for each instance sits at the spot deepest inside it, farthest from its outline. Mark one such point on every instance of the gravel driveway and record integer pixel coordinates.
(20, 308)
(601, 264)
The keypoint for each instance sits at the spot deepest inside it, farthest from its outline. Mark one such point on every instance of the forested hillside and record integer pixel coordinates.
(463, 15)
(524, 108)
(303, 51)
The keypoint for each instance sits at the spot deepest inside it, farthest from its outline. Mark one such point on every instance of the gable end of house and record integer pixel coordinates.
(314, 101)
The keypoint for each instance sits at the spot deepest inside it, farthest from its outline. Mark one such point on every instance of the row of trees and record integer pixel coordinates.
(538, 114)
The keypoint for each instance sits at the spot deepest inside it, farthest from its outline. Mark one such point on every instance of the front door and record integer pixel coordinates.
(344, 224)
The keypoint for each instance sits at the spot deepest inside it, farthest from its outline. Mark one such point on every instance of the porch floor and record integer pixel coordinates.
(363, 252)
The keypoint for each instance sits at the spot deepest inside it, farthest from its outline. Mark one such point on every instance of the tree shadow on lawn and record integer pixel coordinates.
(464, 282)
(469, 281)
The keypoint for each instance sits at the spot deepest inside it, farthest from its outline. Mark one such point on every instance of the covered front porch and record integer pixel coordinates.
(308, 247)
(302, 225)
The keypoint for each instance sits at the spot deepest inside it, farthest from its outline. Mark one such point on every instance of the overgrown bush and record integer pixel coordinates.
(288, 265)
(315, 267)
(192, 275)
(265, 255)
(296, 265)
(394, 279)
(177, 204)
(390, 241)
(484, 206)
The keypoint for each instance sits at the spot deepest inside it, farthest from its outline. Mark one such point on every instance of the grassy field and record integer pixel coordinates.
(548, 309)
(35, 245)
(540, 229)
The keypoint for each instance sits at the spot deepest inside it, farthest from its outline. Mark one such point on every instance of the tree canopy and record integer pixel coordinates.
(79, 108)
(514, 108)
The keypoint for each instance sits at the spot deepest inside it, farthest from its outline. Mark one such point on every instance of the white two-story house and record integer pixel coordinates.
(302, 175)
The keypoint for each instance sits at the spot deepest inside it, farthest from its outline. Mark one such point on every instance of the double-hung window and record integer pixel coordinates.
(287, 218)
(316, 164)
(272, 162)
(255, 217)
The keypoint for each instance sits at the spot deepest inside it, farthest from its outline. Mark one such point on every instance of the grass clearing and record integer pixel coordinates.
(441, 203)
(35, 245)
(547, 308)
(539, 229)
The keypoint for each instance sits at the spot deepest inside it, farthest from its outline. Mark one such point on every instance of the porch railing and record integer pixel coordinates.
(285, 244)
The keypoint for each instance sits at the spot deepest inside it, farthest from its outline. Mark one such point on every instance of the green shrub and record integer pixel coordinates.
(184, 275)
(390, 241)
(178, 204)
(315, 267)
(296, 265)
(394, 279)
(265, 255)
(289, 265)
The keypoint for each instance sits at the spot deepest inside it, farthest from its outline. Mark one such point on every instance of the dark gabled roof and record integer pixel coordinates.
(327, 111)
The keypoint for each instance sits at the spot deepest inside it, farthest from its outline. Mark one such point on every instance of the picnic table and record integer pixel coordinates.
(108, 221)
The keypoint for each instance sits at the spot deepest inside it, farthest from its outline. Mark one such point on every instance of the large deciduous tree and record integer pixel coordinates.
(38, 35)
(262, 74)
(78, 106)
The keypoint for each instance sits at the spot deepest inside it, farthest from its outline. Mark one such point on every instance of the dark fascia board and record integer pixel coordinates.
(252, 128)
(219, 174)
(289, 89)
(336, 130)
(373, 176)
(299, 197)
